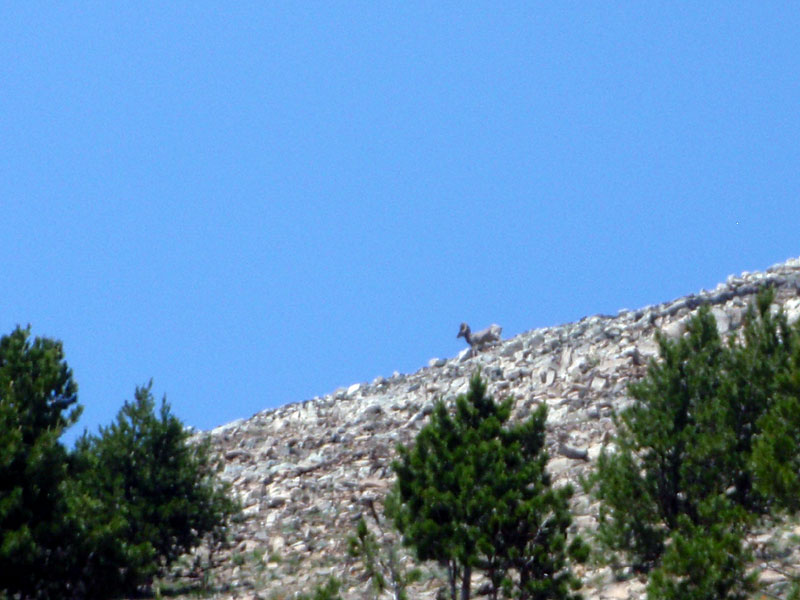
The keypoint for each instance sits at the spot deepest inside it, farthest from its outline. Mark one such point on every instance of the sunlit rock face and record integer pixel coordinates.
(306, 472)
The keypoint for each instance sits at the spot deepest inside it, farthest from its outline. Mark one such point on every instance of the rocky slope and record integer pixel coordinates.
(306, 472)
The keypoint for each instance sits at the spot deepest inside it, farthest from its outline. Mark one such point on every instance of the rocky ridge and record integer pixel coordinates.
(306, 472)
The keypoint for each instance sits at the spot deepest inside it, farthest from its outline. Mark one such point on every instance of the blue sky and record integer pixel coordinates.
(257, 203)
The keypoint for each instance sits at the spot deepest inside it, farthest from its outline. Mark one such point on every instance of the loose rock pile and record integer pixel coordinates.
(306, 472)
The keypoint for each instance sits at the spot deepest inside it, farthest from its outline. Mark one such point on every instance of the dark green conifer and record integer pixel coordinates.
(154, 489)
(708, 445)
(473, 494)
(101, 520)
(37, 403)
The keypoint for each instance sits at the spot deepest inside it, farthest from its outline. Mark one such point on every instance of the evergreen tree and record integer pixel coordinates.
(101, 520)
(704, 562)
(154, 490)
(694, 455)
(775, 458)
(37, 403)
(473, 493)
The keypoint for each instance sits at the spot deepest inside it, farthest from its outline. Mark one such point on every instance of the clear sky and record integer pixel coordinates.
(254, 203)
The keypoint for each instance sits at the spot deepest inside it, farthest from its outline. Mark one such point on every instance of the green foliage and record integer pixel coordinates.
(154, 489)
(329, 591)
(36, 525)
(703, 563)
(101, 520)
(365, 547)
(794, 591)
(473, 493)
(380, 561)
(775, 459)
(715, 425)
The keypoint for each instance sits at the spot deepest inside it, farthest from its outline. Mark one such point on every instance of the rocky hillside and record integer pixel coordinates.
(306, 472)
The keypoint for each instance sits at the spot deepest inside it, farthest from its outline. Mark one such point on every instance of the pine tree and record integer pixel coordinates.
(100, 520)
(708, 446)
(154, 489)
(473, 494)
(37, 403)
(704, 562)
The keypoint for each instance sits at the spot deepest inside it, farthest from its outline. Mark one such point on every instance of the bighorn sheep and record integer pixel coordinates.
(480, 339)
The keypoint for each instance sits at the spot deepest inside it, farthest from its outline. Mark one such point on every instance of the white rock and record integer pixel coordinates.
(675, 330)
(723, 320)
(598, 384)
